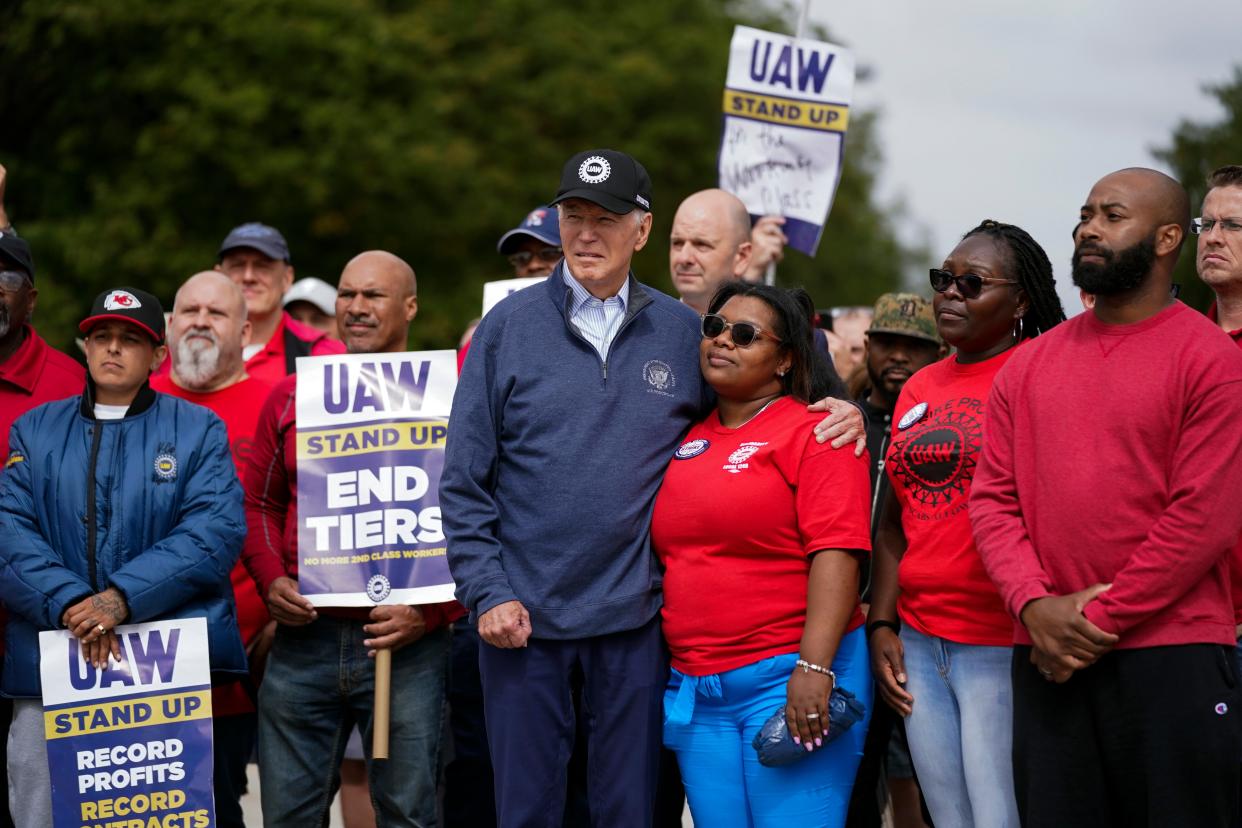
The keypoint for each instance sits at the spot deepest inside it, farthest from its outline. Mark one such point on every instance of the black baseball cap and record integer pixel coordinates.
(266, 240)
(15, 250)
(609, 178)
(128, 305)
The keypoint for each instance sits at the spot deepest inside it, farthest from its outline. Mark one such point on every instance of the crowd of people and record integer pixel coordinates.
(960, 560)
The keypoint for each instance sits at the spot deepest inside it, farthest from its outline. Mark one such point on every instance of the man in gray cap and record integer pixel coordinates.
(256, 257)
(574, 396)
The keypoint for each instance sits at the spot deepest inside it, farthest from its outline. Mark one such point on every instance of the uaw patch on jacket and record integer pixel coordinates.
(14, 458)
(935, 457)
(165, 466)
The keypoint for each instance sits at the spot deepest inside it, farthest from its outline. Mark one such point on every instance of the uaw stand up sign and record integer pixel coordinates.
(370, 451)
(129, 745)
(786, 111)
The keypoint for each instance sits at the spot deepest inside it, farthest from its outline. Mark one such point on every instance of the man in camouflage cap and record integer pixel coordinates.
(901, 339)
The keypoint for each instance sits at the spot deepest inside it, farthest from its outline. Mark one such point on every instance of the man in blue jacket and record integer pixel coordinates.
(118, 506)
(571, 402)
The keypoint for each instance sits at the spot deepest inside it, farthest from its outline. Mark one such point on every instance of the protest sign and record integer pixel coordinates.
(493, 292)
(130, 745)
(370, 450)
(786, 112)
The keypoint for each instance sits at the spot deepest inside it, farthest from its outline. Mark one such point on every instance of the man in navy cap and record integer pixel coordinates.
(256, 257)
(533, 247)
(576, 393)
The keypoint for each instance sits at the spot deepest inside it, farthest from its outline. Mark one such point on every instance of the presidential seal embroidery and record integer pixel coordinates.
(659, 375)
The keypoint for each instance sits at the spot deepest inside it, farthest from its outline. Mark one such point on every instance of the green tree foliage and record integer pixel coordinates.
(1195, 151)
(137, 132)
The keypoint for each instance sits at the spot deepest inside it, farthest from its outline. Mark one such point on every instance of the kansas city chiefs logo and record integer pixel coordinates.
(121, 300)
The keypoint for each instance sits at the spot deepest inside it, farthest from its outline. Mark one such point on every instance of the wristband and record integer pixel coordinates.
(895, 626)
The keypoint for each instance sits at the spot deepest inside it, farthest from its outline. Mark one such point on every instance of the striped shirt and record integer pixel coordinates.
(598, 320)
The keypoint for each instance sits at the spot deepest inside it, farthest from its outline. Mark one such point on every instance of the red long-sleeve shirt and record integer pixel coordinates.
(1112, 456)
(271, 483)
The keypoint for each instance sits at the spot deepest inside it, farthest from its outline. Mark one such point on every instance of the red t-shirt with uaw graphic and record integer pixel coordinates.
(945, 591)
(739, 514)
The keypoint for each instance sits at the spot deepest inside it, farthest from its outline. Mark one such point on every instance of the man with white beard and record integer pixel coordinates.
(206, 334)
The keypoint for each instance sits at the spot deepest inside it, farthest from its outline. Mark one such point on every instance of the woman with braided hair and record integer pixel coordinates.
(939, 633)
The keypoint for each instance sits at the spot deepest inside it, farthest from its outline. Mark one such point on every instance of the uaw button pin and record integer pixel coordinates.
(912, 416)
(691, 449)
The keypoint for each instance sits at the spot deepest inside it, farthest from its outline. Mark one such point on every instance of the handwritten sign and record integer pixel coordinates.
(370, 450)
(786, 112)
(130, 744)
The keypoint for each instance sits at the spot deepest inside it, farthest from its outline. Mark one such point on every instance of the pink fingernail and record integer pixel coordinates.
(808, 747)
(819, 742)
(797, 741)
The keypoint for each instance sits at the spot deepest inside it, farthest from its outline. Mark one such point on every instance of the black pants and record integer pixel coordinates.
(233, 738)
(864, 799)
(1144, 737)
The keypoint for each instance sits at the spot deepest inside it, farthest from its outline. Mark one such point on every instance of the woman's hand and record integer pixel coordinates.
(806, 707)
(888, 665)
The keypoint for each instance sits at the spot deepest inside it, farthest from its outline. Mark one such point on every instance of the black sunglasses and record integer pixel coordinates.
(970, 285)
(550, 255)
(744, 333)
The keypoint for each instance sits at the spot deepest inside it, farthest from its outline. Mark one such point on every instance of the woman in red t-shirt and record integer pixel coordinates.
(948, 671)
(760, 528)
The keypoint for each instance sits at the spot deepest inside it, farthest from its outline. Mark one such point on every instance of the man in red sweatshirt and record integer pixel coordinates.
(1104, 507)
(319, 681)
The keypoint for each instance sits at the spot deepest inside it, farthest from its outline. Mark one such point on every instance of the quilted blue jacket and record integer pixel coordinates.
(149, 504)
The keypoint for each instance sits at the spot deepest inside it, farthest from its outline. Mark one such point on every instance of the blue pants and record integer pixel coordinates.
(726, 785)
(530, 725)
(961, 730)
(319, 685)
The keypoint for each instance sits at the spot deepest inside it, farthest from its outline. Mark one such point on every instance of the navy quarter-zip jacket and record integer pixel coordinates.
(554, 458)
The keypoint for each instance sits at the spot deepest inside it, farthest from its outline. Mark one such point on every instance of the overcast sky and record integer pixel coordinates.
(1012, 110)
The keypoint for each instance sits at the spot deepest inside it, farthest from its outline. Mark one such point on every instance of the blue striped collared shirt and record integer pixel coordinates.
(598, 320)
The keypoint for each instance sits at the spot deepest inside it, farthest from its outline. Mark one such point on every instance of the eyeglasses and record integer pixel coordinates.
(1199, 226)
(11, 281)
(744, 333)
(970, 285)
(547, 255)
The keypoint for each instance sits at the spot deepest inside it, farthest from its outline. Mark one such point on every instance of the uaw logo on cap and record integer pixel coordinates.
(691, 449)
(378, 588)
(121, 300)
(594, 170)
(535, 219)
(659, 377)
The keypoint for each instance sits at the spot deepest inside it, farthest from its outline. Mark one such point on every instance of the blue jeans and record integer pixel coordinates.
(319, 685)
(726, 785)
(961, 730)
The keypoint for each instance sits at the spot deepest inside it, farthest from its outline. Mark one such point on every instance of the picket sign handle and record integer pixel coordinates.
(383, 700)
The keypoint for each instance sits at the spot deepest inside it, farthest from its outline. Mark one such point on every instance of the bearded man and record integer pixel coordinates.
(206, 335)
(1105, 510)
